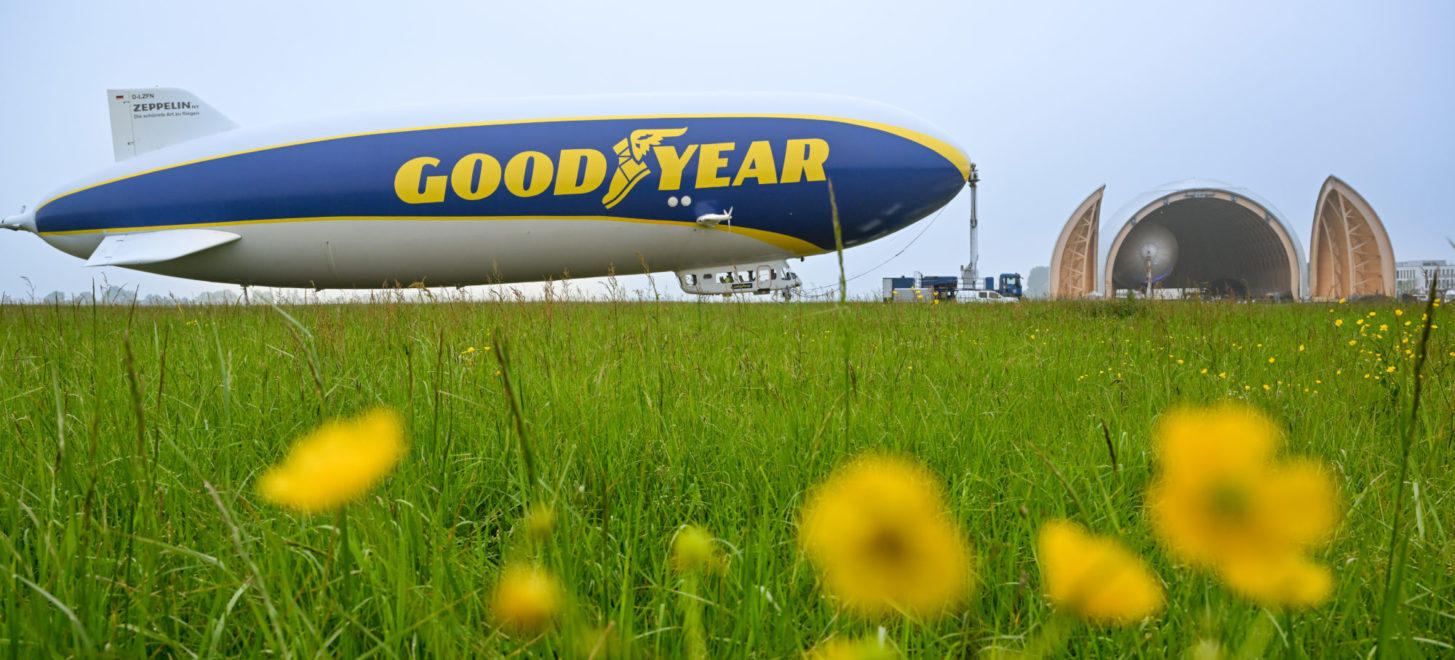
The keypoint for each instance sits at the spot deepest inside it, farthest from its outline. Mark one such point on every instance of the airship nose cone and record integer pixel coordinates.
(957, 157)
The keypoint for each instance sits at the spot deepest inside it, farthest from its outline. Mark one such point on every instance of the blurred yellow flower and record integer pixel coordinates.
(694, 550)
(527, 599)
(337, 463)
(540, 521)
(1095, 577)
(883, 541)
(1338, 322)
(844, 649)
(1287, 579)
(1220, 502)
(1399, 312)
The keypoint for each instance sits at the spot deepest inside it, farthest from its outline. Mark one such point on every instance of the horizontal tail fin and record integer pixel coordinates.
(145, 120)
(150, 247)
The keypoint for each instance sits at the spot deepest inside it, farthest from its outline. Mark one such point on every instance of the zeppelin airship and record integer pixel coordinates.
(721, 188)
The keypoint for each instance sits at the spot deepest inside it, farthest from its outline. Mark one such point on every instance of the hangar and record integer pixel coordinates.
(1225, 241)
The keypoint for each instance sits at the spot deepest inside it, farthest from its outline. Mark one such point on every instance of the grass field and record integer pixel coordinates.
(131, 525)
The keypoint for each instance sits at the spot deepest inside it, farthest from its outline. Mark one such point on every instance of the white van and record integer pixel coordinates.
(978, 296)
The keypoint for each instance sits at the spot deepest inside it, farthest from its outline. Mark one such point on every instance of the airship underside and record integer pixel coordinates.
(511, 192)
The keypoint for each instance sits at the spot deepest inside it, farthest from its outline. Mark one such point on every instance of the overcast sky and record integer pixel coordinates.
(1051, 100)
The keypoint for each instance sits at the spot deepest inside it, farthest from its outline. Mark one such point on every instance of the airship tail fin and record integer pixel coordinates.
(148, 119)
(131, 249)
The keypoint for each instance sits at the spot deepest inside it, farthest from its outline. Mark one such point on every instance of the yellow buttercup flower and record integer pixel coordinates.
(337, 463)
(1095, 577)
(1338, 322)
(1287, 579)
(883, 541)
(694, 550)
(527, 599)
(1220, 502)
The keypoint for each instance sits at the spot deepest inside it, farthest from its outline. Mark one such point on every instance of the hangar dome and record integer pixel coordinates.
(1218, 237)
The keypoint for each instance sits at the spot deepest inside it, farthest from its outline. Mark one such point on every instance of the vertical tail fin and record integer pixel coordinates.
(148, 119)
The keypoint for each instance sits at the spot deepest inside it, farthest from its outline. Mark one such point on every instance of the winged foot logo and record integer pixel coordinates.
(629, 165)
(477, 176)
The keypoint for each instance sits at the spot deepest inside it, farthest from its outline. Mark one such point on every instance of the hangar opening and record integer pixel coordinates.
(1213, 241)
(1218, 240)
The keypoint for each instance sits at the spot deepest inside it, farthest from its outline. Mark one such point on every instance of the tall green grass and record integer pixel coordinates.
(129, 523)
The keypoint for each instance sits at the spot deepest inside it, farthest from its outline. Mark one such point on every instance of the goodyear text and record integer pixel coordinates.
(477, 176)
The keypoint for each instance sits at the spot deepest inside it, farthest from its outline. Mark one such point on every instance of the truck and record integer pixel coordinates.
(924, 288)
(1010, 285)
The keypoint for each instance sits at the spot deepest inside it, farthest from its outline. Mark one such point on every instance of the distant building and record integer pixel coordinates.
(1414, 276)
(1221, 240)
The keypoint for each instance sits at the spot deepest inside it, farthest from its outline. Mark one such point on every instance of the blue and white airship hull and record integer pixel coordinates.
(509, 192)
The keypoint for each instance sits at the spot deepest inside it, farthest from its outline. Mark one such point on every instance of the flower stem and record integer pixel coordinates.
(1050, 640)
(692, 620)
(1398, 546)
(1256, 642)
(344, 559)
(527, 458)
(838, 244)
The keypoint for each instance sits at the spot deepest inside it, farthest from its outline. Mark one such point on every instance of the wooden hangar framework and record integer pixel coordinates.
(1232, 235)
